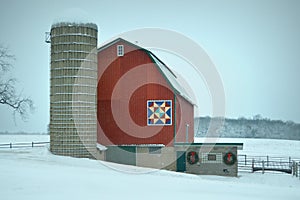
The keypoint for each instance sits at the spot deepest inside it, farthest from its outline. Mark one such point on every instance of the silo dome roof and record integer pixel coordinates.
(74, 17)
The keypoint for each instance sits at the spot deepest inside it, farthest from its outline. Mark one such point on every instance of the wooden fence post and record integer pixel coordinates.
(252, 165)
(10, 145)
(294, 169)
(298, 169)
(263, 166)
(32, 144)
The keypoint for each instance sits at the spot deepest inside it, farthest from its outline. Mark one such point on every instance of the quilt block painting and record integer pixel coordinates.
(159, 112)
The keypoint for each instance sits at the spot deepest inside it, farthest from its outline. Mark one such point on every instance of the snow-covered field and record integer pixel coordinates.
(264, 147)
(34, 173)
(23, 138)
(253, 147)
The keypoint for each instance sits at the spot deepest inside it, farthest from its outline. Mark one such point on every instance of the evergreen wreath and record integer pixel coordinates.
(229, 158)
(192, 157)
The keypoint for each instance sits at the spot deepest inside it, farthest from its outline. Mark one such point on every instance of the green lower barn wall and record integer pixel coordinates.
(121, 154)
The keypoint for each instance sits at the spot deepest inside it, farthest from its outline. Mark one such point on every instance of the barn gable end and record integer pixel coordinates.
(128, 83)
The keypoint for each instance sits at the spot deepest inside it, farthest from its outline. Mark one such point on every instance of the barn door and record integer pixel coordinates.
(181, 161)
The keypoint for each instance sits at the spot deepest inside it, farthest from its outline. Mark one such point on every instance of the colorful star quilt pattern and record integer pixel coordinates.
(159, 112)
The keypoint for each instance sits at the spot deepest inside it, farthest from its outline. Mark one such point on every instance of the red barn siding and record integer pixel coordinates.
(152, 86)
(108, 130)
(185, 110)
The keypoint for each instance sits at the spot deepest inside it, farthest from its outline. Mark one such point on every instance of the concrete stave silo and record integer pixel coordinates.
(73, 83)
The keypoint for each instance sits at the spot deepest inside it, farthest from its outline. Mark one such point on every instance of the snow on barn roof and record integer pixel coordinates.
(139, 145)
(171, 78)
(169, 75)
(101, 147)
(239, 145)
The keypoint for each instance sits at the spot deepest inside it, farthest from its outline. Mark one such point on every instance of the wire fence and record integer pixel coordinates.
(269, 164)
(23, 145)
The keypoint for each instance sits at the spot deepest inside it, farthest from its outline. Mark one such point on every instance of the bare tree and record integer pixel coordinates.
(8, 93)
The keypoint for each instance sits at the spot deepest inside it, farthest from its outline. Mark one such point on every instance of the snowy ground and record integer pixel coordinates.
(34, 173)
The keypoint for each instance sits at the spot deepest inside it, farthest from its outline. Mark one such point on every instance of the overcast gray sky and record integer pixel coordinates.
(255, 46)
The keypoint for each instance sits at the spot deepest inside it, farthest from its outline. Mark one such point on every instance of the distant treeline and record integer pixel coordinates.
(257, 127)
(251, 128)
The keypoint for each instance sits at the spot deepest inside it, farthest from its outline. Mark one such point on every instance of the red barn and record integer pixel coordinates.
(140, 100)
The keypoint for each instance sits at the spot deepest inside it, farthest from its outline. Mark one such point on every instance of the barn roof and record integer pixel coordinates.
(238, 145)
(169, 75)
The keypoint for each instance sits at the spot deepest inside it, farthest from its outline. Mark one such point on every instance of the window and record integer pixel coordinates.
(154, 150)
(211, 157)
(120, 50)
